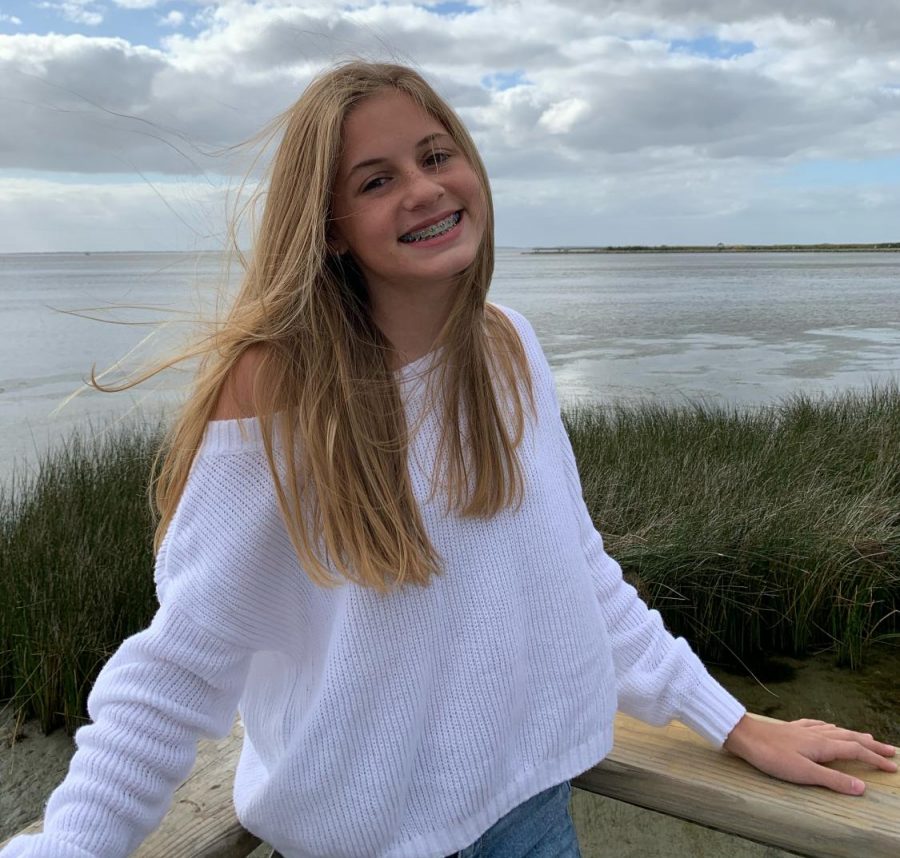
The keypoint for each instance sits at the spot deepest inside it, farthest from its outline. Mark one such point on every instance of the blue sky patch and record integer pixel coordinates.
(449, 9)
(711, 47)
(137, 26)
(835, 174)
(504, 80)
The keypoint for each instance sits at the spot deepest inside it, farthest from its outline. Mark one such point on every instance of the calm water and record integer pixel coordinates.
(748, 328)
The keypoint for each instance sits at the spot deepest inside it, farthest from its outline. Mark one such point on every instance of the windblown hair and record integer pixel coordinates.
(324, 386)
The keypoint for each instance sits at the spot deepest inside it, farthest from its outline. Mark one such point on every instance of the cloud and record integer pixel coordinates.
(138, 4)
(43, 215)
(10, 19)
(174, 19)
(685, 107)
(559, 118)
(77, 11)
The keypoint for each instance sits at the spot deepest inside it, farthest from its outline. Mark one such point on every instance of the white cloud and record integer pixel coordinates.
(10, 19)
(599, 107)
(44, 215)
(138, 4)
(560, 117)
(174, 19)
(77, 11)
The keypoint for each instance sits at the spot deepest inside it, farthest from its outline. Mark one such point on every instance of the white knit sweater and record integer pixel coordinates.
(375, 727)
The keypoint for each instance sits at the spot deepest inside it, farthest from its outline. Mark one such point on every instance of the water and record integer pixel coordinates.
(739, 328)
(63, 313)
(736, 328)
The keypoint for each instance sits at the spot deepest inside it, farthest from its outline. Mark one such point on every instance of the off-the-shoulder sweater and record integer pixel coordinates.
(376, 726)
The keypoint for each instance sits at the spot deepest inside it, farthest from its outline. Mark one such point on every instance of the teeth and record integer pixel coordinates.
(438, 228)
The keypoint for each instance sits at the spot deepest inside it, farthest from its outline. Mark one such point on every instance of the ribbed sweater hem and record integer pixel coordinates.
(438, 844)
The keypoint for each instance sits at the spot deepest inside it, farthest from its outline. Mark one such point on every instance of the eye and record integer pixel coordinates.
(436, 158)
(373, 184)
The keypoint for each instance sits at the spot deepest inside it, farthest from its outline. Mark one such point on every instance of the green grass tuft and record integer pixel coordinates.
(75, 570)
(754, 531)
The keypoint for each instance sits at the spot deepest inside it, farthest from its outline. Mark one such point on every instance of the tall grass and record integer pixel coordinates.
(773, 530)
(75, 569)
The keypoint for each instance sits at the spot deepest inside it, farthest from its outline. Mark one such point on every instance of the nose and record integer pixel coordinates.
(422, 189)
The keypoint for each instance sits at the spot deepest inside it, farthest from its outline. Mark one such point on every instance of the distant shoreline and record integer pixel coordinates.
(888, 247)
(884, 247)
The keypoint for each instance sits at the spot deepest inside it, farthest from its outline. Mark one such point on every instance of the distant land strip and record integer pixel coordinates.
(888, 247)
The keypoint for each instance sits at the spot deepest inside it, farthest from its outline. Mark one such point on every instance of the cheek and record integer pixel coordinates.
(476, 195)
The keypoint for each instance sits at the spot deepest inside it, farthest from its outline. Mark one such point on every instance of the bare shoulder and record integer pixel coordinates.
(237, 394)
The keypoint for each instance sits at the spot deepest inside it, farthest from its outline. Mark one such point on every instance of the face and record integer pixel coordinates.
(407, 204)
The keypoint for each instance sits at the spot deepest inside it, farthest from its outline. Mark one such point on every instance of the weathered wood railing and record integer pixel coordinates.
(665, 769)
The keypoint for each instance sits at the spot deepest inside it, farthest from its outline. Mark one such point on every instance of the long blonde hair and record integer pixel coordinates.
(324, 386)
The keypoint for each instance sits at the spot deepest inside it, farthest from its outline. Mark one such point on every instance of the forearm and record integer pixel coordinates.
(162, 690)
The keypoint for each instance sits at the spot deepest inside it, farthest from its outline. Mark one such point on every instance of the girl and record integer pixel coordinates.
(372, 541)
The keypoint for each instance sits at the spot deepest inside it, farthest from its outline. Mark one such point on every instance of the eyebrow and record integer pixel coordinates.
(371, 162)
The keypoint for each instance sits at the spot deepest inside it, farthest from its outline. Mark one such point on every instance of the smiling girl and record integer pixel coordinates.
(373, 543)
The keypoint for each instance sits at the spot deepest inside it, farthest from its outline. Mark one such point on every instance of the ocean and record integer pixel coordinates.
(743, 329)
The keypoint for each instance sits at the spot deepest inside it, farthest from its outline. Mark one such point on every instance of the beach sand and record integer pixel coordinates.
(31, 765)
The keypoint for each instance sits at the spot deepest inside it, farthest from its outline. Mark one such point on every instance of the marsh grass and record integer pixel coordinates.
(775, 530)
(75, 569)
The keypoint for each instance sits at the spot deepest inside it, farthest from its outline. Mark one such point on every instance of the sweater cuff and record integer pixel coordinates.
(708, 709)
(42, 846)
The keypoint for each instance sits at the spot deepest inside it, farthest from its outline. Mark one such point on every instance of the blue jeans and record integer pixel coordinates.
(540, 827)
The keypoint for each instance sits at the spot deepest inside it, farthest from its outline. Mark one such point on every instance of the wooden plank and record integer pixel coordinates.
(672, 770)
(667, 769)
(201, 822)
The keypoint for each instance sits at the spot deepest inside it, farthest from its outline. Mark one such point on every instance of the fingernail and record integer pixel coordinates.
(857, 785)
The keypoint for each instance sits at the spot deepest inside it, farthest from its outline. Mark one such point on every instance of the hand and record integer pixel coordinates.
(794, 751)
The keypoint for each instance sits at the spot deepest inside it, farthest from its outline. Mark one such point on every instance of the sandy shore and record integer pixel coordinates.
(31, 765)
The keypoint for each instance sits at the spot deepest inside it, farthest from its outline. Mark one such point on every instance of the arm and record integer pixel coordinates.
(162, 690)
(182, 677)
(658, 677)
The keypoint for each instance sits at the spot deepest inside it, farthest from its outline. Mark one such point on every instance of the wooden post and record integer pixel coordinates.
(674, 771)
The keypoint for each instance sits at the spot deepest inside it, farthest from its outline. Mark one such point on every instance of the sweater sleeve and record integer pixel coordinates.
(171, 684)
(658, 677)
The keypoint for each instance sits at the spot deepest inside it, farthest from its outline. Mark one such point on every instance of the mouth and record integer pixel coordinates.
(441, 227)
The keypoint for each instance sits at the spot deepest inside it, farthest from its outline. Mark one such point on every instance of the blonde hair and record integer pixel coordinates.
(323, 383)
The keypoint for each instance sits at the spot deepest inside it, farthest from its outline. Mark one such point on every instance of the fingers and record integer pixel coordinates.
(853, 750)
(845, 784)
(812, 774)
(865, 740)
(835, 732)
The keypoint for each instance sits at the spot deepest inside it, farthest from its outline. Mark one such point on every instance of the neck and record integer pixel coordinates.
(412, 319)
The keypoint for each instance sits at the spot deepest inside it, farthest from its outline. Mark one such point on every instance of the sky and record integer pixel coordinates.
(601, 122)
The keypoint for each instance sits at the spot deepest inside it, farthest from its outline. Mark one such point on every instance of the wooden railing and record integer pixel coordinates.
(666, 769)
